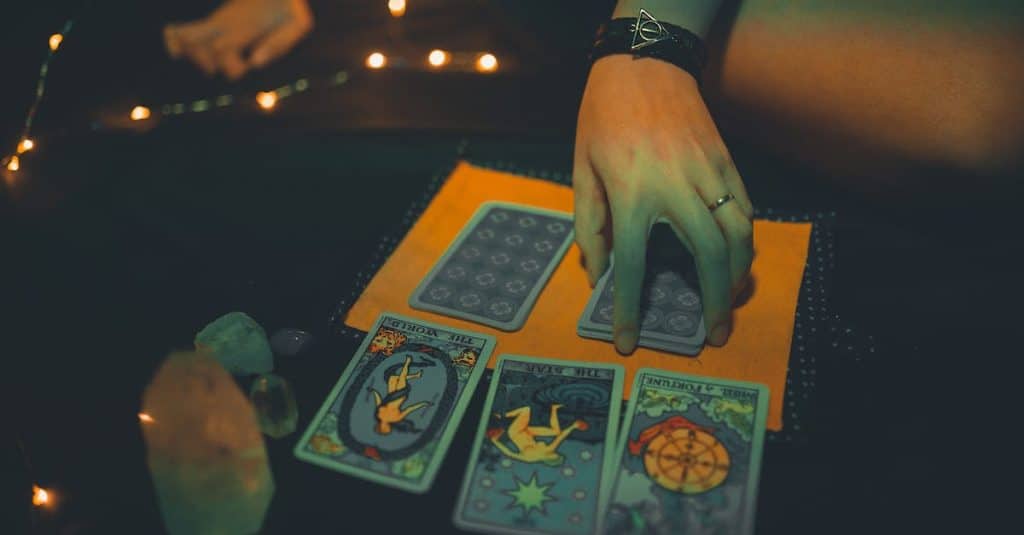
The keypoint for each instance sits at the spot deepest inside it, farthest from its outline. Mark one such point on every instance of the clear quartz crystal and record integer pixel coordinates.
(274, 401)
(290, 342)
(204, 449)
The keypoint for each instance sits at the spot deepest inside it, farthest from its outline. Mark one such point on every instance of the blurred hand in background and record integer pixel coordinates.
(240, 35)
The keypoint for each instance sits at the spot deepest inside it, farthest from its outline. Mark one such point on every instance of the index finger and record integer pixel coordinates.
(630, 228)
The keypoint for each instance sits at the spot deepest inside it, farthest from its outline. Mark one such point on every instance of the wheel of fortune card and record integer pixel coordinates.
(685, 459)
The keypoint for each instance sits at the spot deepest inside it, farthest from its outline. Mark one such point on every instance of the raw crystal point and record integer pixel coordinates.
(238, 342)
(275, 406)
(290, 342)
(204, 449)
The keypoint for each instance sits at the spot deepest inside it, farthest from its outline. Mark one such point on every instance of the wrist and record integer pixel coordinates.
(693, 15)
(644, 36)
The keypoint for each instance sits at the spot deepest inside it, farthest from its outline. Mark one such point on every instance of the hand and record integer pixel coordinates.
(647, 150)
(240, 35)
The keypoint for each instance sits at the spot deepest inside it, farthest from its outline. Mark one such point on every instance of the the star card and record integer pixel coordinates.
(689, 458)
(392, 414)
(540, 461)
(495, 269)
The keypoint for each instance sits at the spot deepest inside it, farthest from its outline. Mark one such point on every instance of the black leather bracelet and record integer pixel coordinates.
(644, 36)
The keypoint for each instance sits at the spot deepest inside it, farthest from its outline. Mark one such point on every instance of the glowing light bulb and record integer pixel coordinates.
(396, 7)
(13, 164)
(40, 496)
(25, 145)
(145, 418)
(487, 63)
(376, 60)
(55, 41)
(438, 58)
(266, 99)
(140, 113)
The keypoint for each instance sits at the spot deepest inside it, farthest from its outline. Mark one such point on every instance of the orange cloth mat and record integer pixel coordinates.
(757, 351)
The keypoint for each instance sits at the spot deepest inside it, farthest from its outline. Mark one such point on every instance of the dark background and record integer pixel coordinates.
(117, 246)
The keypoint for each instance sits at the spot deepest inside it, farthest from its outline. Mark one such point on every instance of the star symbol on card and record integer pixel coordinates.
(530, 496)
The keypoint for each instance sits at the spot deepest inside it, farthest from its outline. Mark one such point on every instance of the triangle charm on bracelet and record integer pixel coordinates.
(647, 31)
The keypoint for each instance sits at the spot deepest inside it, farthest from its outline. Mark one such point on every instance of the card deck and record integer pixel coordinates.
(493, 271)
(541, 458)
(392, 414)
(670, 307)
(689, 457)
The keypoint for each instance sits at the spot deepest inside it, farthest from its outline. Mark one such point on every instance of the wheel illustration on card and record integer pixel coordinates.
(682, 456)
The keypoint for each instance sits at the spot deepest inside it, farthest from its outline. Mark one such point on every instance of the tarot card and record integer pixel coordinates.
(689, 458)
(495, 269)
(392, 414)
(670, 306)
(651, 343)
(540, 462)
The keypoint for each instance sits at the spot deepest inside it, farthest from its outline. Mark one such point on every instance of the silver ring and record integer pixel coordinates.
(721, 200)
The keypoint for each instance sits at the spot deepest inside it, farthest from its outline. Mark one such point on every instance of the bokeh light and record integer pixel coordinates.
(487, 63)
(438, 58)
(140, 113)
(40, 496)
(266, 99)
(396, 7)
(55, 41)
(145, 418)
(376, 60)
(14, 164)
(26, 145)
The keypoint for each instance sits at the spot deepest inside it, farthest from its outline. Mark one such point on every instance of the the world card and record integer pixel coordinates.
(392, 414)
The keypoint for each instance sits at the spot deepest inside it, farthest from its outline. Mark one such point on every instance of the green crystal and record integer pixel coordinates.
(274, 402)
(238, 342)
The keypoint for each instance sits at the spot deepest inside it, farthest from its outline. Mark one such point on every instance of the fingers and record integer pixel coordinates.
(591, 217)
(230, 63)
(711, 253)
(172, 42)
(631, 228)
(280, 41)
(734, 183)
(193, 40)
(739, 236)
(736, 224)
(219, 42)
(203, 58)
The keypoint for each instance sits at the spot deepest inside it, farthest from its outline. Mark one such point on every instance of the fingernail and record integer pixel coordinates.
(625, 341)
(719, 335)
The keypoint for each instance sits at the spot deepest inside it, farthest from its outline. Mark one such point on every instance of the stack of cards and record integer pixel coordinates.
(686, 461)
(498, 264)
(670, 308)
(392, 414)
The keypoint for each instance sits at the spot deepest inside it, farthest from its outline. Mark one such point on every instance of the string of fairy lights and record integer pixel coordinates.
(45, 499)
(435, 60)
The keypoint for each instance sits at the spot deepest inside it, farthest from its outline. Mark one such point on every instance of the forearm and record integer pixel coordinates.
(694, 15)
(928, 84)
